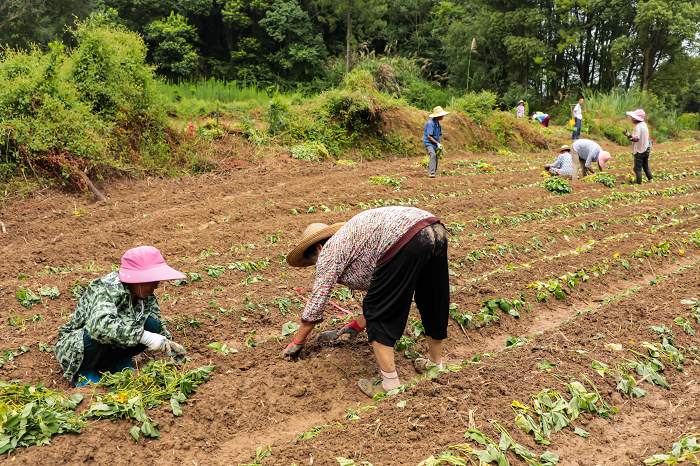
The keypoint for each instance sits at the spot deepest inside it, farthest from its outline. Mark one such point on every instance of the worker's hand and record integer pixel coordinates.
(351, 329)
(293, 350)
(439, 146)
(174, 350)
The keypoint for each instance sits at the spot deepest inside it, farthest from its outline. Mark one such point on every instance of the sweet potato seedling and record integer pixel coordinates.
(131, 393)
(31, 415)
(222, 348)
(9, 355)
(27, 298)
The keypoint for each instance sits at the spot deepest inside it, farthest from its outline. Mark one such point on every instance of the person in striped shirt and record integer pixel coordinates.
(395, 253)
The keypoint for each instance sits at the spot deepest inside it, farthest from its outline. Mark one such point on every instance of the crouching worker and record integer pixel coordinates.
(117, 318)
(563, 166)
(589, 152)
(395, 253)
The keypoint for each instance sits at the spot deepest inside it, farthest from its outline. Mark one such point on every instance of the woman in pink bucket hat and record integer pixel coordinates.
(641, 144)
(116, 318)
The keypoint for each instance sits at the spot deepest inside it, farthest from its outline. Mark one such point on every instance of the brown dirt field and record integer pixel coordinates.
(256, 399)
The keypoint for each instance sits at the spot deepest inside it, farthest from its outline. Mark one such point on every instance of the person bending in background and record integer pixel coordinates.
(117, 318)
(563, 166)
(543, 118)
(397, 254)
(589, 152)
(641, 147)
(432, 133)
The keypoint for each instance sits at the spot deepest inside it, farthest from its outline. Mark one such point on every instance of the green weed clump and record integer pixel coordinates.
(557, 185)
(310, 151)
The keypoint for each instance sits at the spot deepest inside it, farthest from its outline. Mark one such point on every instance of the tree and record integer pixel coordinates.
(172, 49)
(662, 28)
(361, 18)
(25, 22)
(297, 49)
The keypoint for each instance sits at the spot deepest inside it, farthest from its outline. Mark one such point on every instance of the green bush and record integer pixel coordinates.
(689, 121)
(478, 105)
(557, 185)
(277, 115)
(354, 111)
(423, 95)
(610, 129)
(89, 108)
(171, 44)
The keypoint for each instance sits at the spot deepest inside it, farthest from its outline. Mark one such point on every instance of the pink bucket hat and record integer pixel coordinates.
(638, 114)
(603, 158)
(145, 264)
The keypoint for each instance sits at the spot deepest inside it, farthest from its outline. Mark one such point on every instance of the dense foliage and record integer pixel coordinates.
(539, 50)
(71, 111)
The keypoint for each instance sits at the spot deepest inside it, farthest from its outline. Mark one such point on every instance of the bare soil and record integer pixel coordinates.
(255, 208)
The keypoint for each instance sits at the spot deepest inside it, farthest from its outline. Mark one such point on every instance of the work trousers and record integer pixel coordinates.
(418, 271)
(641, 162)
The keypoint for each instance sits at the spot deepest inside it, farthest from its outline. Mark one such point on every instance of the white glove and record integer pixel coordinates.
(154, 341)
(439, 146)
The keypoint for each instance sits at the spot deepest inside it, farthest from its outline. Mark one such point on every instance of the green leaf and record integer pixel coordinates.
(175, 406)
(135, 432)
(600, 367)
(581, 432)
(289, 328)
(545, 365)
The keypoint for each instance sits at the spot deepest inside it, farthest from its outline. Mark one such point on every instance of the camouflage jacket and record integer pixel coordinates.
(110, 317)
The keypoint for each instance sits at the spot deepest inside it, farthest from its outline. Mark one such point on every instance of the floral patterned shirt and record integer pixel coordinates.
(350, 256)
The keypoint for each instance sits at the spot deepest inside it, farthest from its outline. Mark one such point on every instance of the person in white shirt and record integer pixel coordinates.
(641, 144)
(577, 115)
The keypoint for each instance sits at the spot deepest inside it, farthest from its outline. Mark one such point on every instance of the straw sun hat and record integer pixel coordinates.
(438, 112)
(313, 234)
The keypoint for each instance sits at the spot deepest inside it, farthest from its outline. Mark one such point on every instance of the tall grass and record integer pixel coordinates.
(214, 95)
(606, 112)
(216, 89)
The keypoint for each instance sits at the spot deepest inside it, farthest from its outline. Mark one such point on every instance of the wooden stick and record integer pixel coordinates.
(2, 227)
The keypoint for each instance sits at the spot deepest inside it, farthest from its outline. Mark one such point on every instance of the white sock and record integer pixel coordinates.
(390, 380)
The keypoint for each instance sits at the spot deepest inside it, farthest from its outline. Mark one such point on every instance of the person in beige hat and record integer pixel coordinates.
(397, 254)
(432, 133)
(564, 165)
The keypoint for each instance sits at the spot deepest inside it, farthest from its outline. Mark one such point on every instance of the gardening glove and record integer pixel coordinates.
(175, 351)
(293, 350)
(352, 328)
(157, 342)
(439, 146)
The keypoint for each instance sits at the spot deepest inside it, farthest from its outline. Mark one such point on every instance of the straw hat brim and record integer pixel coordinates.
(439, 114)
(296, 256)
